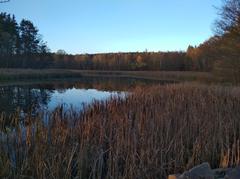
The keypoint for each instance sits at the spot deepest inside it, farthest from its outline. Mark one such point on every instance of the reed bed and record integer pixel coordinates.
(154, 132)
(28, 74)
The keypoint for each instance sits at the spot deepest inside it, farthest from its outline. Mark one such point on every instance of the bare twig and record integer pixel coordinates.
(4, 1)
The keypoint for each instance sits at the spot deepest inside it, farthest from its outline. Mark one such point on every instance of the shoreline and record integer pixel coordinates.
(7, 75)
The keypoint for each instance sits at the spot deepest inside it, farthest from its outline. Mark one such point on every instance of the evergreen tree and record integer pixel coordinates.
(29, 37)
(9, 35)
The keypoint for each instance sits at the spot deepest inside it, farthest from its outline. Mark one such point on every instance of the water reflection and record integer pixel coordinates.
(33, 96)
(23, 98)
(75, 98)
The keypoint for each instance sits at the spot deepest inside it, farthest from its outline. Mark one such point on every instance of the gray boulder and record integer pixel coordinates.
(233, 174)
(202, 171)
(220, 173)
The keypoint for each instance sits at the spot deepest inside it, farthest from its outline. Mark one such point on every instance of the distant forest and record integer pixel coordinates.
(21, 46)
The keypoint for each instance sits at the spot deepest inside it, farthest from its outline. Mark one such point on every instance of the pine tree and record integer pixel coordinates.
(29, 37)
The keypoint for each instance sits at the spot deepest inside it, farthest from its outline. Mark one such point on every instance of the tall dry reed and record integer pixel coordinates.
(151, 133)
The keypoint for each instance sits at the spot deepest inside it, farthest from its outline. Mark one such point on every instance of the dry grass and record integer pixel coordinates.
(18, 74)
(30, 74)
(156, 131)
(158, 75)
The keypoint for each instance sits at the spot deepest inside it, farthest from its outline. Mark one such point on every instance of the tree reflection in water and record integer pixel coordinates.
(23, 98)
(35, 96)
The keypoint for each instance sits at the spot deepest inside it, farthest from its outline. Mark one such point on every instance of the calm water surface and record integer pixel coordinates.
(34, 96)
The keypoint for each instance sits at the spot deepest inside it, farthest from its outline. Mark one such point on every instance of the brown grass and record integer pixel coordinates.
(24, 74)
(30, 74)
(158, 75)
(155, 131)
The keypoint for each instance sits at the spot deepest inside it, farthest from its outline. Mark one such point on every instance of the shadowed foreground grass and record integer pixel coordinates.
(155, 131)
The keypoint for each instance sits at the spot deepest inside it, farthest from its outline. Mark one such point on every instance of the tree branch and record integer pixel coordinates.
(4, 1)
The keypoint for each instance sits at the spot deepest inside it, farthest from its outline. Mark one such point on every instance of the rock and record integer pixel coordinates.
(202, 171)
(220, 173)
(233, 174)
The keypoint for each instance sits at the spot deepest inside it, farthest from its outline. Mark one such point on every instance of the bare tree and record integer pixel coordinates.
(4, 1)
(227, 53)
(229, 21)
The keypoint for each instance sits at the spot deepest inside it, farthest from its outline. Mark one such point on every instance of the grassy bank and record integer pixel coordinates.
(28, 74)
(157, 75)
(155, 131)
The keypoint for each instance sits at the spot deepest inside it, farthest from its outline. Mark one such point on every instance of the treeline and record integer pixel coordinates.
(22, 47)
(221, 53)
(123, 61)
(20, 44)
(167, 61)
(19, 39)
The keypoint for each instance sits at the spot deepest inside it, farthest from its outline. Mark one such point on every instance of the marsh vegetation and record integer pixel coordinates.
(115, 138)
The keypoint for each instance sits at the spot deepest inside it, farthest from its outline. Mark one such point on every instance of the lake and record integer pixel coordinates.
(71, 93)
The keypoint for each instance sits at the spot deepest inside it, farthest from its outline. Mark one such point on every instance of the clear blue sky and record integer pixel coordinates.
(94, 26)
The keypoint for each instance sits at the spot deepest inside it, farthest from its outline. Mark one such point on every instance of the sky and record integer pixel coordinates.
(101, 26)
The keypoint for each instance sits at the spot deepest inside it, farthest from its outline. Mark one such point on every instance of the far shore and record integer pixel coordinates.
(11, 75)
